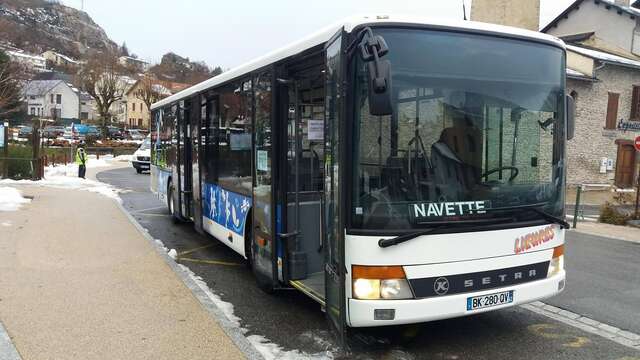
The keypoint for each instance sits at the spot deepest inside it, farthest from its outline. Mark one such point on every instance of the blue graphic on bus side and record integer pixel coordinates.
(225, 207)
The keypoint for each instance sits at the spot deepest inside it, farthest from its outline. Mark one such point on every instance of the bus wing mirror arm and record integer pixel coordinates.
(372, 48)
(571, 114)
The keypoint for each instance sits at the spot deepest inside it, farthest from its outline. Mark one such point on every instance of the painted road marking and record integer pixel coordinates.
(547, 331)
(194, 250)
(210, 262)
(149, 209)
(583, 323)
(7, 350)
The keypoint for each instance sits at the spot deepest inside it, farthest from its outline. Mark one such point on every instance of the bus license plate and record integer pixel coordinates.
(485, 301)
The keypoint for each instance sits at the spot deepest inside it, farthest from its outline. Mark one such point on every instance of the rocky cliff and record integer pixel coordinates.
(39, 25)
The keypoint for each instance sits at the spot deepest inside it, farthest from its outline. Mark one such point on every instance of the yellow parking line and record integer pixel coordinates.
(210, 262)
(194, 250)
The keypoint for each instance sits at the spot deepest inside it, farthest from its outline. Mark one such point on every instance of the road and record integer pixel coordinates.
(603, 282)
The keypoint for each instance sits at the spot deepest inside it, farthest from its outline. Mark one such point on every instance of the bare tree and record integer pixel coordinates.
(101, 78)
(10, 85)
(151, 90)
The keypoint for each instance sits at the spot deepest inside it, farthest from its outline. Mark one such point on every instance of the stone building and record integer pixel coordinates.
(603, 74)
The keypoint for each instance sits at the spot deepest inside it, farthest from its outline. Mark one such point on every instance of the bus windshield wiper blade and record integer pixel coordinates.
(383, 243)
(551, 218)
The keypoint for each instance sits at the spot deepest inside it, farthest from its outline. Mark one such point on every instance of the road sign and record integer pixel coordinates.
(637, 143)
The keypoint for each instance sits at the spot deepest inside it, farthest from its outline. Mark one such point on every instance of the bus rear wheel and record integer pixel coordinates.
(171, 203)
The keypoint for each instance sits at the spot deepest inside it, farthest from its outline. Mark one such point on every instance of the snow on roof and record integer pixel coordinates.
(129, 58)
(630, 10)
(65, 57)
(574, 74)
(604, 57)
(26, 56)
(325, 34)
(39, 87)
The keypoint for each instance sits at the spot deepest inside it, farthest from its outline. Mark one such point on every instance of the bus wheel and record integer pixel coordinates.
(171, 203)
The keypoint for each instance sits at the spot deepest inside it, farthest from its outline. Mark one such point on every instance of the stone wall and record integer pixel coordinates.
(592, 142)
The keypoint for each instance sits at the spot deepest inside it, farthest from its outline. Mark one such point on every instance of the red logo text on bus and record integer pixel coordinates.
(533, 239)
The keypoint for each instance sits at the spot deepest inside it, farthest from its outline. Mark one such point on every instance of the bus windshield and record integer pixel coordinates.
(476, 132)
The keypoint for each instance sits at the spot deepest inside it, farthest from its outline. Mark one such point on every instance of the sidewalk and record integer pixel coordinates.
(626, 233)
(79, 281)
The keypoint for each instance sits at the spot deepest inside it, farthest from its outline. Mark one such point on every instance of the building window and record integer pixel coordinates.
(84, 116)
(58, 99)
(32, 97)
(51, 98)
(140, 123)
(635, 103)
(612, 111)
(133, 106)
(32, 111)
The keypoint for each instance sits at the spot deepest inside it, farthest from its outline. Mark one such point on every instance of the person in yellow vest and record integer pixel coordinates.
(81, 160)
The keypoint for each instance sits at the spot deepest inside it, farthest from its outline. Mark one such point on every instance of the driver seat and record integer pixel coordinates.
(454, 157)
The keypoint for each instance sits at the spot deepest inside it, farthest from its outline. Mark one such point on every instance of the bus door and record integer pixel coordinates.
(197, 121)
(333, 212)
(184, 160)
(303, 176)
(264, 226)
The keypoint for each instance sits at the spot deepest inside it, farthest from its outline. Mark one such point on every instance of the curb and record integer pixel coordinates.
(234, 332)
(583, 323)
(7, 349)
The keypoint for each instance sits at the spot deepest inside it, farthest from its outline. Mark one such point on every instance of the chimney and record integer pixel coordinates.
(623, 3)
(524, 14)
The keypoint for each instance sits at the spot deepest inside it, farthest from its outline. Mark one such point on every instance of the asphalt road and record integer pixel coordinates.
(295, 322)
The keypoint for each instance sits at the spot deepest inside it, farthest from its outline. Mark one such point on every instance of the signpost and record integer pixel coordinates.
(4, 130)
(636, 144)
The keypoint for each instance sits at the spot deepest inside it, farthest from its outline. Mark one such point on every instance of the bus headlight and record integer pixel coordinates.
(380, 282)
(557, 262)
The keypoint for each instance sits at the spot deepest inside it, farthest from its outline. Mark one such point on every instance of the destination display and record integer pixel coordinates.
(427, 211)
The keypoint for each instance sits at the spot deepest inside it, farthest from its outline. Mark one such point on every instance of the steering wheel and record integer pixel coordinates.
(514, 171)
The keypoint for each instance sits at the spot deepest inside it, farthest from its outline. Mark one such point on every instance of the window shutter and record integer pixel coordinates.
(612, 111)
(635, 103)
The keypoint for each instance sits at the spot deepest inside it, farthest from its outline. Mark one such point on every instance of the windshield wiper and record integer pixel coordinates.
(551, 218)
(536, 209)
(384, 243)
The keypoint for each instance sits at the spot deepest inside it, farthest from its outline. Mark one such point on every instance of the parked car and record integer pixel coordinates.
(115, 133)
(25, 131)
(141, 159)
(135, 134)
(53, 132)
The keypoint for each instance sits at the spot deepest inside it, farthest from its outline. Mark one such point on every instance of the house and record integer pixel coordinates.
(88, 112)
(135, 63)
(52, 99)
(31, 62)
(603, 75)
(60, 60)
(138, 115)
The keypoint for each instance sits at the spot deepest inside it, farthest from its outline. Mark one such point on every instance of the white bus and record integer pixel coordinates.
(396, 170)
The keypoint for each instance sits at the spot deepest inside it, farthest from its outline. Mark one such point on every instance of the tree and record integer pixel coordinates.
(10, 85)
(151, 90)
(124, 51)
(101, 78)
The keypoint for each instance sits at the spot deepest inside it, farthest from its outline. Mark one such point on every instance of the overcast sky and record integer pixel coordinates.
(228, 33)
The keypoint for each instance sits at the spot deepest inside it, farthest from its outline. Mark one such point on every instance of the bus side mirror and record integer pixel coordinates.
(380, 88)
(571, 117)
(371, 49)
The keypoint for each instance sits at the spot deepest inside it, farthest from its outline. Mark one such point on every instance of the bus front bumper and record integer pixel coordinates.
(361, 312)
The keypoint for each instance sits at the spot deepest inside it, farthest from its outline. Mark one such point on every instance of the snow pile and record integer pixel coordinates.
(5, 223)
(271, 351)
(66, 177)
(123, 158)
(11, 200)
(173, 254)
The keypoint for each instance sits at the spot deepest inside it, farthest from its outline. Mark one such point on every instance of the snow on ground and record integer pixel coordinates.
(11, 200)
(268, 349)
(66, 177)
(123, 158)
(6, 223)
(173, 254)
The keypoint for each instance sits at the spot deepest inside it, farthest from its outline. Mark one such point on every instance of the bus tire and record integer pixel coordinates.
(171, 203)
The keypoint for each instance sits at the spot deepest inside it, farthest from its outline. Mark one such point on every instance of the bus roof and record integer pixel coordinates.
(324, 35)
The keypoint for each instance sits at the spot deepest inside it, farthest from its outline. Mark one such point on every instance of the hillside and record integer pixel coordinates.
(176, 68)
(39, 25)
